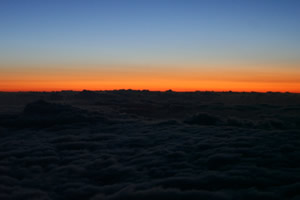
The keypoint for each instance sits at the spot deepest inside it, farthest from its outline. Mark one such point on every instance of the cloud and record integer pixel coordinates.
(204, 119)
(160, 194)
(46, 153)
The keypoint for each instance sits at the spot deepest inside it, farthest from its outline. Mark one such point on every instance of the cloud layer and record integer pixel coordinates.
(59, 151)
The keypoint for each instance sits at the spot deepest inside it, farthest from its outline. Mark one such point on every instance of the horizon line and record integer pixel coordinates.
(148, 90)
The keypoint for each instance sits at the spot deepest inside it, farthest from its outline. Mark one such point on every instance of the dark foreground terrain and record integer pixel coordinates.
(149, 145)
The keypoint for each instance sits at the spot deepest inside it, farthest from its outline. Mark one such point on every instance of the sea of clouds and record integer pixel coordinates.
(61, 151)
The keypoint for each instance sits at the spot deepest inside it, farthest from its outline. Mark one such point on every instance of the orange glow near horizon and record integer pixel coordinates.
(224, 78)
(202, 86)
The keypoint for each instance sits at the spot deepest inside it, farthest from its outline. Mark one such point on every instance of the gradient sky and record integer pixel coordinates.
(239, 45)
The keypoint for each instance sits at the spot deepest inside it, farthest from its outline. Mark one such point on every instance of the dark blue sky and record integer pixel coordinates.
(149, 30)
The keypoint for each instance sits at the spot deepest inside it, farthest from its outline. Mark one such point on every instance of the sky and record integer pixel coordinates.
(183, 45)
